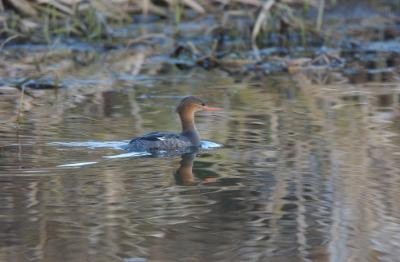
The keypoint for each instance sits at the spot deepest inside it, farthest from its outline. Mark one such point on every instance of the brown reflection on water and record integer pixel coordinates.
(374, 67)
(309, 172)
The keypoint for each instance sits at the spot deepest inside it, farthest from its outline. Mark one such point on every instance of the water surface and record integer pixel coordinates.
(308, 172)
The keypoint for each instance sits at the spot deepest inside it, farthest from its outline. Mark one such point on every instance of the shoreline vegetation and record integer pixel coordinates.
(206, 33)
(222, 26)
(52, 44)
(96, 19)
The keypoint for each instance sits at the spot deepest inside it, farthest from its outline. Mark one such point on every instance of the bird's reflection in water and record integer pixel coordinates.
(184, 175)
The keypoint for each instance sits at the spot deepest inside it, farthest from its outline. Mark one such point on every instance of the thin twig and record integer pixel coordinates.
(261, 18)
(8, 40)
(21, 100)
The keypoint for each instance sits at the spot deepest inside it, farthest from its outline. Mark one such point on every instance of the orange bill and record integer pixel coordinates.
(207, 108)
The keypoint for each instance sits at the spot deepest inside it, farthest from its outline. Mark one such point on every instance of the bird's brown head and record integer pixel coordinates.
(191, 104)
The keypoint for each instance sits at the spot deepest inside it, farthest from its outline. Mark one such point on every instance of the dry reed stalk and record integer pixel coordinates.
(145, 5)
(57, 5)
(320, 14)
(194, 5)
(24, 7)
(261, 19)
(151, 8)
(256, 3)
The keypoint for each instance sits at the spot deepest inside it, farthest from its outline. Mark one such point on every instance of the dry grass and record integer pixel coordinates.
(94, 19)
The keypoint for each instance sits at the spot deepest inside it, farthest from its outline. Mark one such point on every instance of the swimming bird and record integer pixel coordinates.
(189, 138)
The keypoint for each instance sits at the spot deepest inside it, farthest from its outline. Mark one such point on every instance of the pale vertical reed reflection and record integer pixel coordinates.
(367, 214)
(362, 134)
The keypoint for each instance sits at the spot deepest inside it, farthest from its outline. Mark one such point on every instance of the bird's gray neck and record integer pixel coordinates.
(189, 130)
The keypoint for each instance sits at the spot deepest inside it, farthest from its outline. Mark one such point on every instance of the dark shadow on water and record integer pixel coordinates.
(184, 175)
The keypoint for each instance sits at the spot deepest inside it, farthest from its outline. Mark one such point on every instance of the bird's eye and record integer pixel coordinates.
(203, 104)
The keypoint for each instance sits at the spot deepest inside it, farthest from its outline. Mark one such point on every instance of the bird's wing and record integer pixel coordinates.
(157, 136)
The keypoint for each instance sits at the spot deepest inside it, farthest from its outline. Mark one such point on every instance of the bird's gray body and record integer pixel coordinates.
(160, 141)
